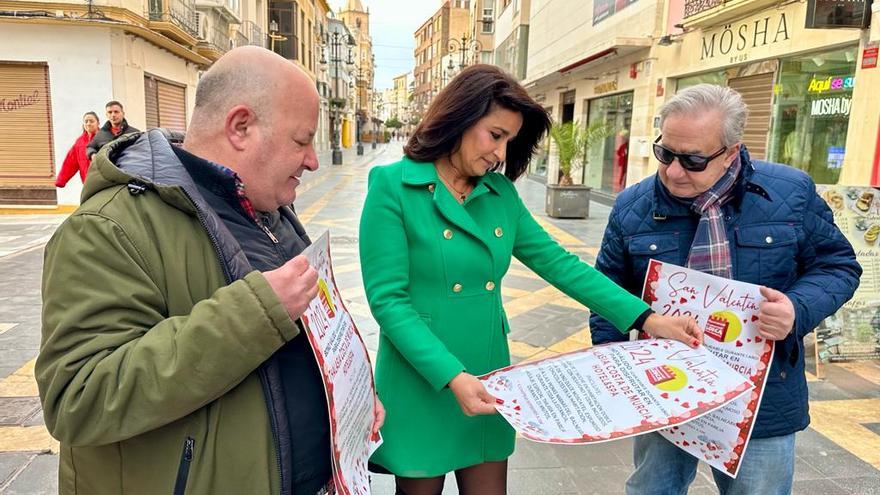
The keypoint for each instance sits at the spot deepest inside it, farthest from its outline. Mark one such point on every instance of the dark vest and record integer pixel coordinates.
(308, 423)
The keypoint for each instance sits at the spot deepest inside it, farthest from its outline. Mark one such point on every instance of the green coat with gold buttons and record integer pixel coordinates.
(432, 270)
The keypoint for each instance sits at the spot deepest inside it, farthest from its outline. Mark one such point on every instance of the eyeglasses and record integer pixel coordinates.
(689, 161)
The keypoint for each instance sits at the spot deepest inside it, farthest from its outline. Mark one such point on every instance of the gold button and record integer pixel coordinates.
(498, 232)
(430, 187)
(490, 285)
(447, 234)
(456, 288)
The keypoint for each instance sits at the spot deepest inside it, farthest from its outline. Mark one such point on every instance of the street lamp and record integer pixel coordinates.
(463, 46)
(360, 112)
(273, 34)
(334, 41)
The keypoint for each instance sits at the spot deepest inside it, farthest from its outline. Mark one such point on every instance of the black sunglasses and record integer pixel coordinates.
(688, 161)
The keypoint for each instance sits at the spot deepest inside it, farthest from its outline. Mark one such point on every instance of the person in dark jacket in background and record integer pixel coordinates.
(115, 126)
(76, 159)
(712, 208)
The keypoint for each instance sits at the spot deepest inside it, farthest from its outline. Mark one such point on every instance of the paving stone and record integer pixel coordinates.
(804, 471)
(39, 478)
(840, 465)
(865, 485)
(600, 480)
(818, 487)
(530, 455)
(541, 481)
(15, 410)
(10, 462)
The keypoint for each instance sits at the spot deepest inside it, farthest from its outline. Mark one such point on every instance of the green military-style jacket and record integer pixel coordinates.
(432, 271)
(147, 367)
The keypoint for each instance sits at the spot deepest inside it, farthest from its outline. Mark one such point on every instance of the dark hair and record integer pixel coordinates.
(93, 114)
(114, 103)
(467, 99)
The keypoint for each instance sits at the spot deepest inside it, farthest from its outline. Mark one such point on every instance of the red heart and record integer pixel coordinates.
(754, 317)
(758, 340)
(682, 300)
(517, 408)
(665, 395)
(676, 399)
(739, 344)
(685, 404)
(693, 297)
(685, 443)
(748, 340)
(702, 390)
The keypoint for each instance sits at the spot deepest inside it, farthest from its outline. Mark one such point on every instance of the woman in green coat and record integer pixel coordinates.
(437, 234)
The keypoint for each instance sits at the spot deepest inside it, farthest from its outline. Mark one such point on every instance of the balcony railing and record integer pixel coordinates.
(694, 7)
(217, 39)
(180, 12)
(239, 39)
(254, 33)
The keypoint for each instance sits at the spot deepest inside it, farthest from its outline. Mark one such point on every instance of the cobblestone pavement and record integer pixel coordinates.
(838, 454)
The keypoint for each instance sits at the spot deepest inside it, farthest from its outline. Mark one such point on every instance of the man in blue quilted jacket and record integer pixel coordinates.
(712, 208)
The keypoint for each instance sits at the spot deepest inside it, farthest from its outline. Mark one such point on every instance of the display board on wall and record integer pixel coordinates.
(854, 331)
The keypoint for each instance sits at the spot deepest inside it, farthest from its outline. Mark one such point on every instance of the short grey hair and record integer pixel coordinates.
(221, 89)
(708, 97)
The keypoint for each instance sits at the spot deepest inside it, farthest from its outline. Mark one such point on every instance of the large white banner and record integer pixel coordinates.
(348, 376)
(727, 311)
(612, 391)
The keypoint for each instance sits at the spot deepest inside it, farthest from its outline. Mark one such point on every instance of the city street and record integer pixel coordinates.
(838, 454)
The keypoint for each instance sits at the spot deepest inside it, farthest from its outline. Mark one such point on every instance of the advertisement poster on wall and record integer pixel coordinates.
(854, 331)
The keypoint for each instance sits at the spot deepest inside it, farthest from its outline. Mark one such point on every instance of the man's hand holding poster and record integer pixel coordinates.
(347, 374)
(612, 391)
(728, 313)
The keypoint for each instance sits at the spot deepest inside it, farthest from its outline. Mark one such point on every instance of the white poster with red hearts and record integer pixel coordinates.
(727, 311)
(347, 375)
(612, 391)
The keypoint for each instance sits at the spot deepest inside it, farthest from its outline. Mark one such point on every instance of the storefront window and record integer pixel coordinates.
(541, 159)
(811, 113)
(607, 159)
(717, 77)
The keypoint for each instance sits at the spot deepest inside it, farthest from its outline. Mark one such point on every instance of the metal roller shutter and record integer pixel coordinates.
(151, 101)
(757, 92)
(165, 104)
(172, 106)
(26, 154)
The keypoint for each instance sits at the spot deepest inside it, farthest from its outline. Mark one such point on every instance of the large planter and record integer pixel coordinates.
(568, 201)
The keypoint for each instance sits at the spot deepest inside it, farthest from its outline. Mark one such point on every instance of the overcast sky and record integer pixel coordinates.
(392, 25)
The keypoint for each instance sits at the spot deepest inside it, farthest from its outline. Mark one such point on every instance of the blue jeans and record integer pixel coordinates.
(664, 469)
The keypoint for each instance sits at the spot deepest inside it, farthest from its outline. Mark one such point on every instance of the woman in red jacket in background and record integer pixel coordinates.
(76, 159)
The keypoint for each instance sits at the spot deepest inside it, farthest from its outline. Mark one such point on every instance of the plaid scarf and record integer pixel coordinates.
(710, 251)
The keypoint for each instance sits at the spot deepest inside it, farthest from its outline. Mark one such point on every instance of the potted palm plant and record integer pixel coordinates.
(572, 140)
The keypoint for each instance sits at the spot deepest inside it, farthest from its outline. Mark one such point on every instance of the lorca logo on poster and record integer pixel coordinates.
(831, 106)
